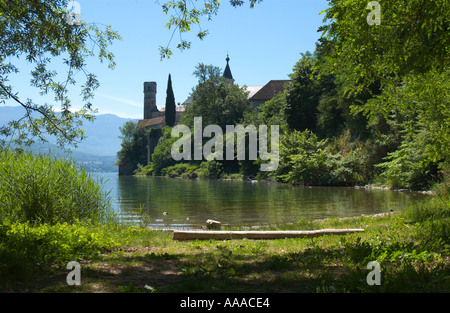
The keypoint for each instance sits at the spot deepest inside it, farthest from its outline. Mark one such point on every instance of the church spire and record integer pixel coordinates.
(227, 72)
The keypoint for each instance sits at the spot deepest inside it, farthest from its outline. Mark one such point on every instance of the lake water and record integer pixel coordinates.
(189, 203)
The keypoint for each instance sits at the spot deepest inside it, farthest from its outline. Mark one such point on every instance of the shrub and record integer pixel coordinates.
(42, 189)
(162, 156)
(306, 159)
(303, 159)
(408, 167)
(178, 170)
(210, 170)
(349, 162)
(147, 170)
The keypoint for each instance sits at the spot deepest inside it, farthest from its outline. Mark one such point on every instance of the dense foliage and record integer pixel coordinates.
(398, 72)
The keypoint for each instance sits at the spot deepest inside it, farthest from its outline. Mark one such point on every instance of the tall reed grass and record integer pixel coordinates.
(45, 189)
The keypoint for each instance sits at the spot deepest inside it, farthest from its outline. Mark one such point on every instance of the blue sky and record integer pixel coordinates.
(263, 43)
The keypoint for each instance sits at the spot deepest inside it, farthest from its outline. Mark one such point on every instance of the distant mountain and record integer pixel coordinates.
(102, 135)
(97, 151)
(90, 162)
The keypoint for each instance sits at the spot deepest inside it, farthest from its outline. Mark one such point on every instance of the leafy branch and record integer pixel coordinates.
(184, 14)
(38, 32)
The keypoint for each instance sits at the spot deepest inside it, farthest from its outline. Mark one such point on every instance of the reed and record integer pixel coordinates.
(44, 189)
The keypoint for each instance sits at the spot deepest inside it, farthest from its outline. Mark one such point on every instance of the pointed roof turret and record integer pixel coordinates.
(227, 72)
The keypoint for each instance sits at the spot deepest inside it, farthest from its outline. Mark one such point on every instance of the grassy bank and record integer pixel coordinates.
(412, 248)
(53, 213)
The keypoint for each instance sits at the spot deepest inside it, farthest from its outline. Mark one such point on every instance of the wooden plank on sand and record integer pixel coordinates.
(224, 235)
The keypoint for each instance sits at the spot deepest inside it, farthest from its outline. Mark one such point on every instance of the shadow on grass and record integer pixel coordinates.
(210, 272)
(234, 268)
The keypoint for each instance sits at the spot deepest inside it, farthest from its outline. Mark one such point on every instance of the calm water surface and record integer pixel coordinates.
(189, 203)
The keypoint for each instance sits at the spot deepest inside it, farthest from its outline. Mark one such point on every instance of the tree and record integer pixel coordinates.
(217, 102)
(413, 37)
(303, 95)
(271, 112)
(127, 131)
(170, 105)
(133, 152)
(39, 32)
(204, 72)
(424, 103)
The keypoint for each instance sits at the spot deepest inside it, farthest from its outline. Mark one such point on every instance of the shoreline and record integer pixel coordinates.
(267, 181)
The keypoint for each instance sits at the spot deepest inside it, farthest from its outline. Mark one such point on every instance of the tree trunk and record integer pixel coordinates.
(223, 235)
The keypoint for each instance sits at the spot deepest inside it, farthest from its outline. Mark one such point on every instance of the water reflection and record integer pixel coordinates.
(190, 203)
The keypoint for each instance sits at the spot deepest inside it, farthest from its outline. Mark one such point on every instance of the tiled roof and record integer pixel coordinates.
(270, 90)
(252, 90)
(152, 122)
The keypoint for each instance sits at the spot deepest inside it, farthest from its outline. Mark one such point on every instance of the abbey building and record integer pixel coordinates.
(154, 115)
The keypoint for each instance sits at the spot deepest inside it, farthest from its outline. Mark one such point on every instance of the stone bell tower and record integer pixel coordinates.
(150, 109)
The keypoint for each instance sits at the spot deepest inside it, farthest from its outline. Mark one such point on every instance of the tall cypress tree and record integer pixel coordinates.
(170, 105)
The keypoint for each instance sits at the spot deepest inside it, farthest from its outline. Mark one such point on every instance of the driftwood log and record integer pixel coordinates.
(224, 235)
